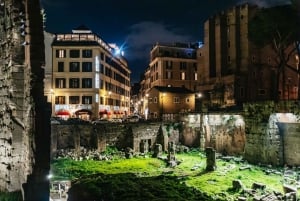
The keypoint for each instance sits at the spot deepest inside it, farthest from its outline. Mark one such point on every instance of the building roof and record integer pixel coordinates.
(181, 90)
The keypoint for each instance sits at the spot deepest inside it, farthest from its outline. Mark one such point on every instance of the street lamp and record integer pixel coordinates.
(51, 100)
(162, 105)
(201, 133)
(146, 106)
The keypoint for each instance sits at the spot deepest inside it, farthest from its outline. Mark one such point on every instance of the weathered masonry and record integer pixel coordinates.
(24, 118)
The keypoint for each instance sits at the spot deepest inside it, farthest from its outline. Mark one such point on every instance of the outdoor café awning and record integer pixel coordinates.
(83, 111)
(63, 113)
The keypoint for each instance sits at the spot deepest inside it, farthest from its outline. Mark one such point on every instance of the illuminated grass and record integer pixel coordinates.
(216, 184)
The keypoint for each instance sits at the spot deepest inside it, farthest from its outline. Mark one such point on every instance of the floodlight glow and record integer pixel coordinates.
(49, 176)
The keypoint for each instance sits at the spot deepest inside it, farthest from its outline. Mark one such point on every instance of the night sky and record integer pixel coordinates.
(138, 24)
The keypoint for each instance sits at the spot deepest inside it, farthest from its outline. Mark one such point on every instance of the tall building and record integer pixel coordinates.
(171, 65)
(234, 70)
(90, 78)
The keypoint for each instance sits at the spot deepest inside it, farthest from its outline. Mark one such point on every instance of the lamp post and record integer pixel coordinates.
(162, 105)
(201, 133)
(51, 100)
(146, 106)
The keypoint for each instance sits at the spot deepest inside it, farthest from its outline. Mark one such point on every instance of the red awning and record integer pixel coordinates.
(63, 113)
(83, 111)
(102, 112)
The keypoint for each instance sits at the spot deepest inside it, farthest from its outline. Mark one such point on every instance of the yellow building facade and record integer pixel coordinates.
(90, 78)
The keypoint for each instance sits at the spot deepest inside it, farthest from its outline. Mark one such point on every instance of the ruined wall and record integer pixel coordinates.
(265, 141)
(224, 132)
(289, 133)
(99, 136)
(22, 109)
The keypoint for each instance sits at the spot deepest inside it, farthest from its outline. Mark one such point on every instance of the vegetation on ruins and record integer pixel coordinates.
(146, 178)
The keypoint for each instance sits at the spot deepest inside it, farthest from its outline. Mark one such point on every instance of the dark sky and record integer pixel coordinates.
(138, 24)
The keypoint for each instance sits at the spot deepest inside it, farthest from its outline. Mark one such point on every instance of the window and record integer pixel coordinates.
(60, 66)
(187, 100)
(169, 75)
(155, 100)
(60, 100)
(196, 76)
(182, 75)
(229, 59)
(74, 100)
(87, 66)
(261, 92)
(87, 53)
(150, 100)
(86, 82)
(86, 100)
(74, 83)
(242, 93)
(60, 53)
(60, 83)
(182, 65)
(169, 64)
(74, 53)
(176, 99)
(228, 44)
(74, 66)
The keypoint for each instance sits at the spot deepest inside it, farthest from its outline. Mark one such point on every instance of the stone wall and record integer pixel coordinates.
(289, 133)
(99, 136)
(224, 132)
(264, 139)
(24, 119)
(258, 142)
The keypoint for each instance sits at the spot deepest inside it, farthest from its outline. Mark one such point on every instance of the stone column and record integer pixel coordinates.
(210, 159)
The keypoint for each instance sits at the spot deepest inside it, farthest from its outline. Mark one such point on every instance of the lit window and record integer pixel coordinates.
(169, 75)
(60, 53)
(97, 81)
(196, 76)
(182, 75)
(60, 83)
(176, 99)
(60, 100)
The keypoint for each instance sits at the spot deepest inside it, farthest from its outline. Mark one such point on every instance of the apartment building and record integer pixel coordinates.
(90, 78)
(171, 65)
(167, 102)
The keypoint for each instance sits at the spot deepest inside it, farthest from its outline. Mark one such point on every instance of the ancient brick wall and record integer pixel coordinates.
(289, 133)
(265, 141)
(224, 132)
(24, 132)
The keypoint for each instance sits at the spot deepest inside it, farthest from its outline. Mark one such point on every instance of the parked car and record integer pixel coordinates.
(115, 120)
(100, 121)
(133, 118)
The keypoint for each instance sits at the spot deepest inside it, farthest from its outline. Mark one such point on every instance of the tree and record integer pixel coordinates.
(278, 27)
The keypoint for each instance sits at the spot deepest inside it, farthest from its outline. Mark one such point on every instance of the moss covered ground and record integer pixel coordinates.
(147, 178)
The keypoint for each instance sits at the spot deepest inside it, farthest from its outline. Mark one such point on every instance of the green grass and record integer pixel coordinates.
(126, 176)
